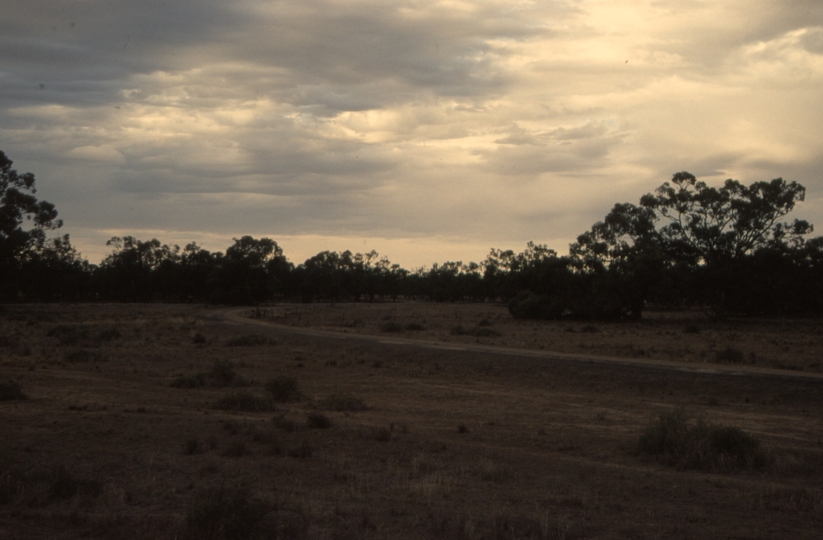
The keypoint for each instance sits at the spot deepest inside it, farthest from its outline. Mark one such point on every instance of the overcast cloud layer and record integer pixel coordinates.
(428, 130)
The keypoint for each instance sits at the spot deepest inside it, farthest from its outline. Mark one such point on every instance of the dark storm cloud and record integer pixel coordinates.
(67, 42)
(308, 53)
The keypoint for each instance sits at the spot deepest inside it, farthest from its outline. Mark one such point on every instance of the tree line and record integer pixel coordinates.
(727, 250)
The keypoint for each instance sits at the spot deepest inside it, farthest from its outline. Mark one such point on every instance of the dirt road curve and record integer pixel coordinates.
(234, 317)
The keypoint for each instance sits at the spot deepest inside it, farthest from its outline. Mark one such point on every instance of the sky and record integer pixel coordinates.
(429, 131)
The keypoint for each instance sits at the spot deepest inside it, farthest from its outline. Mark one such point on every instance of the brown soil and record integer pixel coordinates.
(682, 336)
(451, 444)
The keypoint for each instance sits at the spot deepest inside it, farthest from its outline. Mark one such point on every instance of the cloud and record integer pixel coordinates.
(486, 123)
(580, 149)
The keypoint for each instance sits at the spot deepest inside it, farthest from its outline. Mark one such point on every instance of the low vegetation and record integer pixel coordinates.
(226, 513)
(283, 389)
(392, 327)
(248, 340)
(11, 391)
(318, 421)
(695, 444)
(477, 331)
(243, 401)
(339, 438)
(221, 375)
(342, 402)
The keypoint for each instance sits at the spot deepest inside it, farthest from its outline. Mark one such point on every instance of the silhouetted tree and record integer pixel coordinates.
(536, 282)
(451, 281)
(719, 227)
(623, 257)
(55, 272)
(198, 273)
(244, 273)
(128, 273)
(23, 224)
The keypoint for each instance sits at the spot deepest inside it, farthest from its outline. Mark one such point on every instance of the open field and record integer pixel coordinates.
(153, 421)
(690, 337)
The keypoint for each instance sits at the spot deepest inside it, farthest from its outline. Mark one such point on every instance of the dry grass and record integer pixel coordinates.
(433, 444)
(682, 336)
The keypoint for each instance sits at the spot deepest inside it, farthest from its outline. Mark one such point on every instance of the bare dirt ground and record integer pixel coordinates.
(128, 430)
(676, 336)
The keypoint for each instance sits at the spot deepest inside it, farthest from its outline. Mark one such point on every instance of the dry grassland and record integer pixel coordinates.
(151, 421)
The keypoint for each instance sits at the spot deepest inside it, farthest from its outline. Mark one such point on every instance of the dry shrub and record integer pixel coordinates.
(285, 424)
(392, 327)
(343, 402)
(789, 500)
(302, 451)
(477, 331)
(11, 391)
(243, 401)
(83, 356)
(69, 334)
(283, 389)
(318, 421)
(381, 434)
(40, 487)
(226, 513)
(249, 340)
(221, 375)
(109, 334)
(685, 444)
(730, 355)
(192, 447)
(236, 449)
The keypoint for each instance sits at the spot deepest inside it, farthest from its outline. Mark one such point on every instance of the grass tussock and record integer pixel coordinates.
(221, 375)
(226, 513)
(9, 341)
(79, 356)
(318, 421)
(283, 389)
(37, 487)
(356, 323)
(802, 500)
(248, 340)
(341, 402)
(109, 334)
(243, 401)
(392, 327)
(730, 355)
(302, 451)
(686, 444)
(499, 526)
(477, 331)
(285, 424)
(68, 334)
(11, 391)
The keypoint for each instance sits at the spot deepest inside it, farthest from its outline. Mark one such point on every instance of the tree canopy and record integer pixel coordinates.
(727, 249)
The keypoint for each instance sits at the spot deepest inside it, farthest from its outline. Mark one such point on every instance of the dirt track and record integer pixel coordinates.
(236, 316)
